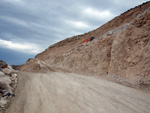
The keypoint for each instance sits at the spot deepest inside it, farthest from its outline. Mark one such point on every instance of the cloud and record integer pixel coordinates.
(96, 14)
(14, 21)
(30, 26)
(13, 1)
(23, 47)
(77, 24)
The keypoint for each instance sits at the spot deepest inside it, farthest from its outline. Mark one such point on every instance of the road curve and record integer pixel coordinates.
(58, 92)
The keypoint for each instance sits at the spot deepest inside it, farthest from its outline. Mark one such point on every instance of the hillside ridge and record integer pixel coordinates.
(120, 51)
(125, 17)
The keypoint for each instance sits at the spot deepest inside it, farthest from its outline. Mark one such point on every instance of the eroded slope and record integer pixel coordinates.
(120, 50)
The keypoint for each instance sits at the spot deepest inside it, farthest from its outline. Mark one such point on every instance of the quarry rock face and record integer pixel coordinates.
(3, 64)
(130, 54)
(120, 50)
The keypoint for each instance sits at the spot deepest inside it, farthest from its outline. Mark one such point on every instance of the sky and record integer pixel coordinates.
(28, 27)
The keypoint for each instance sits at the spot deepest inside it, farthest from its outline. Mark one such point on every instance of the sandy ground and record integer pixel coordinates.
(59, 92)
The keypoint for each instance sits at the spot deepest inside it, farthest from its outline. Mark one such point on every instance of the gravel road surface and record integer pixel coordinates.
(59, 92)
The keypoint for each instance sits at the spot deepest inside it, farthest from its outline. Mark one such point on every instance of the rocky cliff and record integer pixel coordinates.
(120, 50)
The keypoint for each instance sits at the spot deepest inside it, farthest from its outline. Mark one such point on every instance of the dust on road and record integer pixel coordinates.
(58, 92)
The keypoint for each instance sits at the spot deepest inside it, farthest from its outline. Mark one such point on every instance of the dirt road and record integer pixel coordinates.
(71, 93)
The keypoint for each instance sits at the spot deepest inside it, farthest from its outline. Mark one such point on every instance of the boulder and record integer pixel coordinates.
(3, 64)
(2, 74)
(7, 71)
(5, 85)
(13, 76)
(9, 67)
(3, 102)
(14, 80)
(6, 80)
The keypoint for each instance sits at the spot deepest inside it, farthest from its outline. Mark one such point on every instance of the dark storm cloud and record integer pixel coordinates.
(36, 24)
(14, 57)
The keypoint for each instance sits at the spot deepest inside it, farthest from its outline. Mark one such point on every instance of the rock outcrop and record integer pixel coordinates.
(3, 64)
(8, 82)
(120, 50)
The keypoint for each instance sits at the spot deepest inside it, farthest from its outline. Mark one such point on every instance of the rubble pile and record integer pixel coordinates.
(8, 82)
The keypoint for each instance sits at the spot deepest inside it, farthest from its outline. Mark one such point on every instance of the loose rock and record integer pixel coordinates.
(8, 82)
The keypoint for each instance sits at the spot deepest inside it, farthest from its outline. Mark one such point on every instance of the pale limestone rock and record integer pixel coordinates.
(7, 71)
(5, 84)
(2, 74)
(3, 102)
(9, 67)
